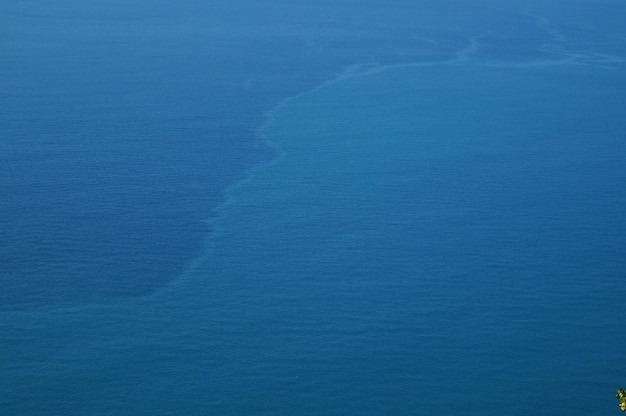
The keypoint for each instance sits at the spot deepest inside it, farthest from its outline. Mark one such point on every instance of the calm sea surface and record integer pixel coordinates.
(427, 233)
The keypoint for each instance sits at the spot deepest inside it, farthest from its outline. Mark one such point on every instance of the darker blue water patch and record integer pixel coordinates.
(108, 190)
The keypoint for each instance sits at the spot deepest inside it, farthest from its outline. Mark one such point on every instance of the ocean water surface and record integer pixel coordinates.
(428, 231)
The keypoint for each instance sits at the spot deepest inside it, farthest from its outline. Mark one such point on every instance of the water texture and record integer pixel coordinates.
(436, 228)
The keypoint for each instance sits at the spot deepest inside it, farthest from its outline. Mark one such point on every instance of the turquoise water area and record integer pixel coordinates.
(443, 238)
(447, 238)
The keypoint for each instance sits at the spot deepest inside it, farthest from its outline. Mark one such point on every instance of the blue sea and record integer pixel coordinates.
(305, 208)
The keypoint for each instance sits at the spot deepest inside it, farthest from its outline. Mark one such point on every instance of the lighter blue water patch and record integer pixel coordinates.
(443, 238)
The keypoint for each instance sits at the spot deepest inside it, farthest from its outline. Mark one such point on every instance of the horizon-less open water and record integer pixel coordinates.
(440, 238)
(445, 237)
